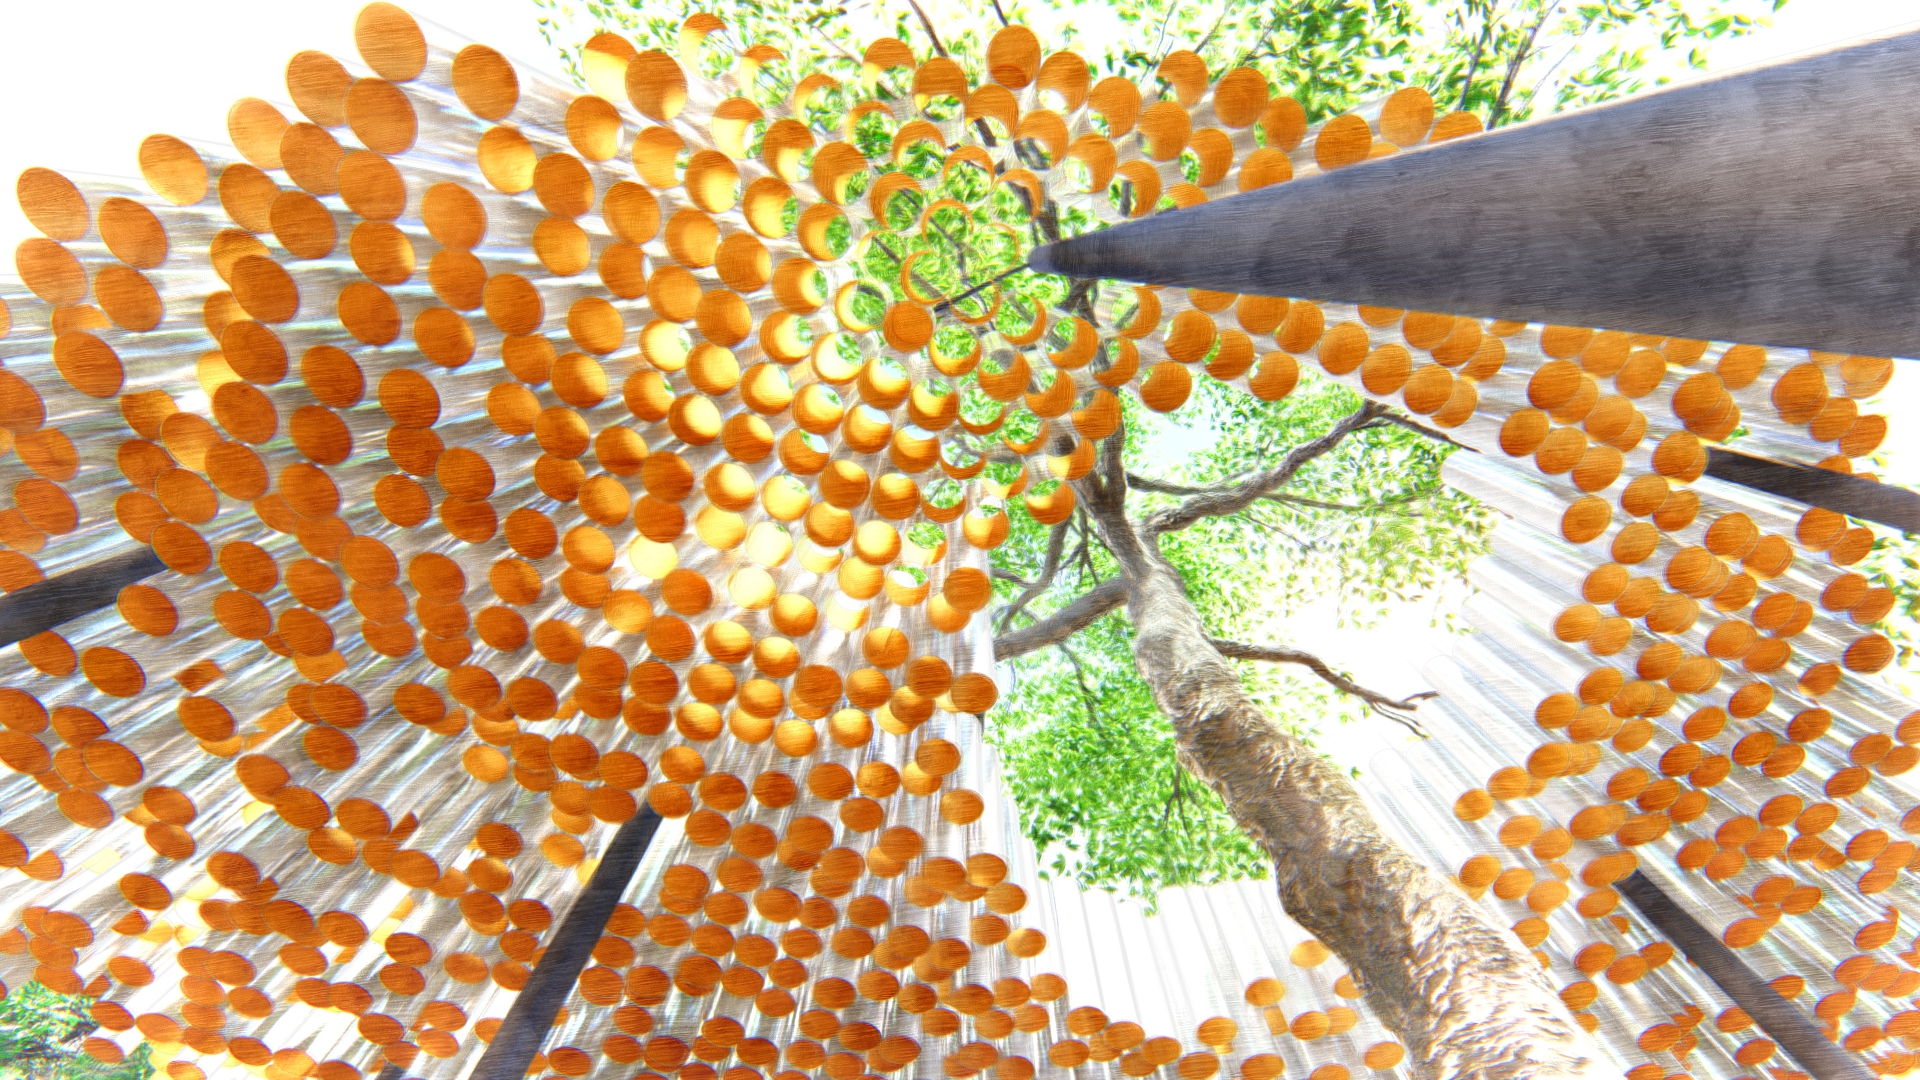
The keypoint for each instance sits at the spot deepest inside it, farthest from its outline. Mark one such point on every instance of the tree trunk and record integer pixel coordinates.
(1468, 999)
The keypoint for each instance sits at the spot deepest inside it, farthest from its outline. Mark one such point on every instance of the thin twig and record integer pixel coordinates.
(1376, 701)
(949, 302)
(1479, 46)
(1572, 47)
(1080, 300)
(1403, 420)
(1207, 39)
(1082, 553)
(1172, 8)
(1164, 487)
(1177, 798)
(917, 277)
(1002, 14)
(1049, 568)
(1513, 66)
(959, 250)
(928, 25)
(1307, 547)
(1087, 699)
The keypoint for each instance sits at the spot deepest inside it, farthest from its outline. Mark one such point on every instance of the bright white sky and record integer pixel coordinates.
(83, 83)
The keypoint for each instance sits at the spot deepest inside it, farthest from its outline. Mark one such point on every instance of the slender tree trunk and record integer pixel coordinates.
(1465, 995)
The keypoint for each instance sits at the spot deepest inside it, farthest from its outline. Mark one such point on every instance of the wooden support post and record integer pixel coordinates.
(1778, 206)
(44, 605)
(530, 1019)
(1786, 1025)
(1887, 504)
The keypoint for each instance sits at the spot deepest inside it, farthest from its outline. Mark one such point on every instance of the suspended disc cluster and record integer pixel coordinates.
(519, 454)
(1671, 674)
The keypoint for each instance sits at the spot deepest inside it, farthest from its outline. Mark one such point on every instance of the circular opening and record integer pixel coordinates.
(656, 152)
(693, 239)
(713, 181)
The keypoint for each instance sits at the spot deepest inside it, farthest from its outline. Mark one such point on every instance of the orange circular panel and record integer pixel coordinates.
(173, 169)
(381, 116)
(371, 187)
(507, 160)
(485, 82)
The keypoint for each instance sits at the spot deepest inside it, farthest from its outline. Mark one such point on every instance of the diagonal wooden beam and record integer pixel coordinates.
(1778, 206)
(1787, 1026)
(1888, 504)
(44, 605)
(529, 1019)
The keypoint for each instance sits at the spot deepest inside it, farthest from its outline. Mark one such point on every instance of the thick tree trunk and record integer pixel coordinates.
(1465, 995)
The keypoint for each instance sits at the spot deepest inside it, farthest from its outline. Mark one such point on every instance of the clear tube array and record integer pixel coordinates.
(519, 454)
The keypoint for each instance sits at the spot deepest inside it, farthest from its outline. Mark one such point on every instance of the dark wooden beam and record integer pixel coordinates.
(530, 1019)
(44, 605)
(1786, 1025)
(1778, 206)
(1854, 496)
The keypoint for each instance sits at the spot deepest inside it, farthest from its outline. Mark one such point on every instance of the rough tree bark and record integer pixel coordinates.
(1464, 994)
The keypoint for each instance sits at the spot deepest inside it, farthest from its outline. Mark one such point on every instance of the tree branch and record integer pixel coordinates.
(1241, 495)
(1462, 992)
(1087, 699)
(949, 302)
(1107, 484)
(1167, 487)
(1403, 420)
(1351, 508)
(1479, 46)
(1207, 38)
(1049, 568)
(928, 25)
(1513, 66)
(1082, 552)
(1378, 702)
(1063, 624)
(1573, 46)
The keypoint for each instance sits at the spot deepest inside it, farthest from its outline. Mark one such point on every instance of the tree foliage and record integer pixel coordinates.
(1503, 59)
(40, 1035)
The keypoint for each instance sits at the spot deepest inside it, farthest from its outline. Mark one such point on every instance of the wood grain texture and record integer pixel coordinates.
(529, 1021)
(1779, 206)
(1786, 1025)
(46, 604)
(1465, 995)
